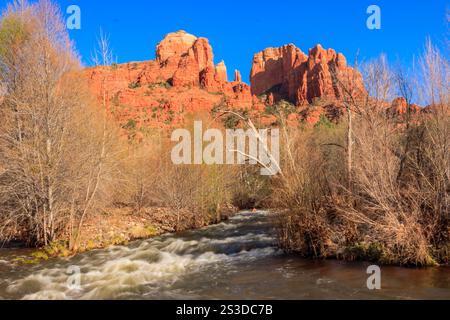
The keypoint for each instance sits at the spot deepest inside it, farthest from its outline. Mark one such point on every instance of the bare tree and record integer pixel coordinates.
(53, 143)
(106, 149)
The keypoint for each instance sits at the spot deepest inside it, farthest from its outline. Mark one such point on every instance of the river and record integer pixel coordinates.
(236, 259)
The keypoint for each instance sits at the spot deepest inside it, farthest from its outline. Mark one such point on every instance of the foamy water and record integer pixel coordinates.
(237, 259)
(120, 272)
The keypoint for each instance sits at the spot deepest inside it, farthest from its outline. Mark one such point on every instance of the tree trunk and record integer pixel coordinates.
(349, 148)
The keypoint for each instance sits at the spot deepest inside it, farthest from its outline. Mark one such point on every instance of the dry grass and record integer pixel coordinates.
(379, 189)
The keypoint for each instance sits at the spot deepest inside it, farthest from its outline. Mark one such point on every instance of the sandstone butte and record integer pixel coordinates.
(290, 74)
(161, 93)
(183, 80)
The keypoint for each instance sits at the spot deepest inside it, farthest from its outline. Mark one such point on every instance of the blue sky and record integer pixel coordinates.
(238, 29)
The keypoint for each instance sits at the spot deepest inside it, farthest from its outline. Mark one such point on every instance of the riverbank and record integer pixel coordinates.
(124, 225)
(325, 236)
(119, 226)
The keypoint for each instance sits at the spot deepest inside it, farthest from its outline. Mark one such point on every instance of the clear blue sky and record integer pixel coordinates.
(238, 29)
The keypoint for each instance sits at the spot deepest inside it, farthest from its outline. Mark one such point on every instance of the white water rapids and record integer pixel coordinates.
(236, 259)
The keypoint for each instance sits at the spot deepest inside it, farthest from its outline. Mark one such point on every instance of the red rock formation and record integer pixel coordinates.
(237, 76)
(221, 72)
(175, 44)
(183, 79)
(290, 74)
(400, 106)
(187, 73)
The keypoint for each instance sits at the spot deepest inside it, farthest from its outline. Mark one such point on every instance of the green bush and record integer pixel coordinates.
(130, 125)
(134, 85)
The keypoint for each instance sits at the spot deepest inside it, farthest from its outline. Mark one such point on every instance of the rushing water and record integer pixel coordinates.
(236, 259)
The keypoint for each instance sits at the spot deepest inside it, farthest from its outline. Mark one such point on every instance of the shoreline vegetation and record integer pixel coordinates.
(373, 185)
(118, 227)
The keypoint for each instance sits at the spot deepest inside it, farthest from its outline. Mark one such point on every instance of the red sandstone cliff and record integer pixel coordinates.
(400, 107)
(182, 79)
(290, 74)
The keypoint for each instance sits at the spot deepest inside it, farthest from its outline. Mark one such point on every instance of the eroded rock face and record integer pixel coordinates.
(174, 44)
(237, 76)
(184, 79)
(399, 106)
(290, 74)
(158, 93)
(188, 59)
(221, 72)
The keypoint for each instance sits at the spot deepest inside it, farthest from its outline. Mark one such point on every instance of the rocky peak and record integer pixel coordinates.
(272, 66)
(289, 74)
(237, 76)
(400, 106)
(180, 80)
(221, 72)
(174, 44)
(203, 53)
(317, 53)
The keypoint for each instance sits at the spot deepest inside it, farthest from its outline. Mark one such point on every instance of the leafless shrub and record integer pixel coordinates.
(306, 189)
(54, 146)
(392, 205)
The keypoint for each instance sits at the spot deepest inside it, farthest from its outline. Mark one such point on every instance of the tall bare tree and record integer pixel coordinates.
(53, 142)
